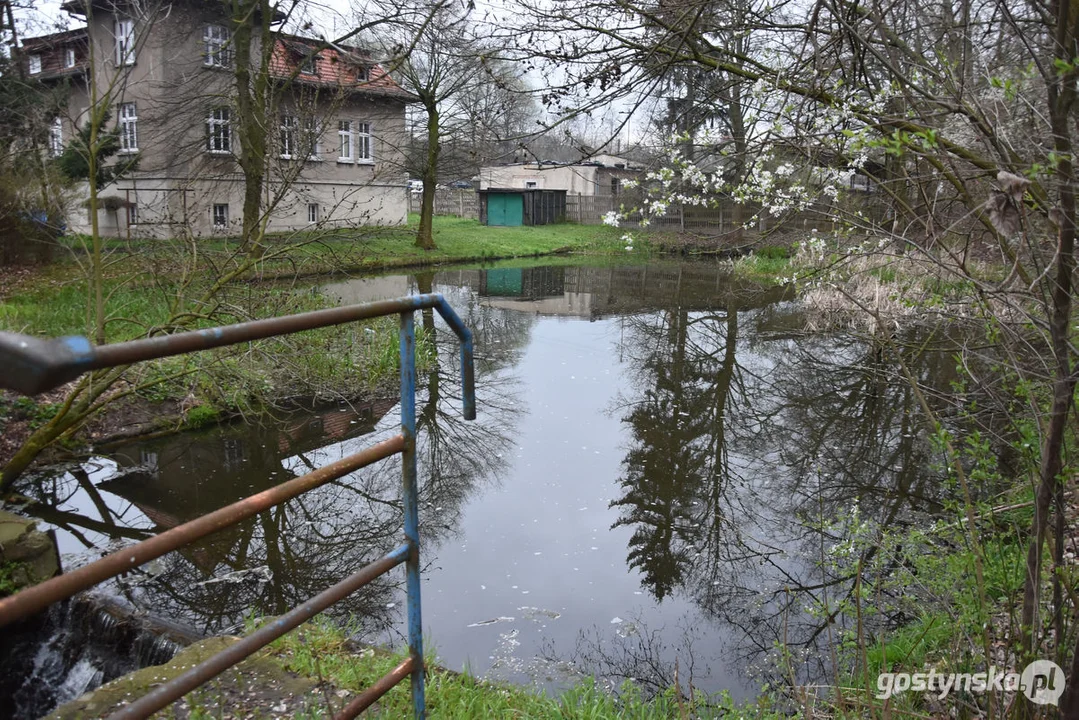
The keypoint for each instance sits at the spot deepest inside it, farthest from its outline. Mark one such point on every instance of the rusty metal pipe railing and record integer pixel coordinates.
(31, 365)
(39, 597)
(371, 695)
(210, 668)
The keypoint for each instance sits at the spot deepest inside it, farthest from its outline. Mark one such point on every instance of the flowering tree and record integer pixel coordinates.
(944, 133)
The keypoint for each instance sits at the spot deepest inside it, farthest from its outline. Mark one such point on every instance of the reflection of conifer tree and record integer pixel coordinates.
(675, 470)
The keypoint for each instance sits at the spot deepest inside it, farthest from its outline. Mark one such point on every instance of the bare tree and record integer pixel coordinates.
(437, 55)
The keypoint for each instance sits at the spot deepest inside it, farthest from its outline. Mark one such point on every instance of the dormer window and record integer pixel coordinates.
(363, 73)
(35, 64)
(309, 64)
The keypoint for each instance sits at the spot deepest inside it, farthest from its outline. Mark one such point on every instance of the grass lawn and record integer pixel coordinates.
(456, 240)
(330, 250)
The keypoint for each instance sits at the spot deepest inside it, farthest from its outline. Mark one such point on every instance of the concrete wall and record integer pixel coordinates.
(585, 180)
(577, 179)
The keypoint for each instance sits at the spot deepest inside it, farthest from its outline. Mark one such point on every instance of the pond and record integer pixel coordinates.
(657, 449)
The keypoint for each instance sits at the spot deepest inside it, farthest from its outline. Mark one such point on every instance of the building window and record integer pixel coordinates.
(148, 459)
(132, 214)
(312, 139)
(69, 58)
(35, 64)
(219, 126)
(218, 52)
(363, 74)
(221, 216)
(56, 137)
(129, 128)
(235, 453)
(288, 136)
(616, 186)
(309, 64)
(530, 184)
(312, 213)
(363, 143)
(125, 41)
(346, 153)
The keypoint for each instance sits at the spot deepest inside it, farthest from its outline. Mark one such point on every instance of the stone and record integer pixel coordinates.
(32, 551)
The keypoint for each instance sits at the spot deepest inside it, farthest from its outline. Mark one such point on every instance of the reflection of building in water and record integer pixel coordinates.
(170, 482)
(594, 292)
(369, 289)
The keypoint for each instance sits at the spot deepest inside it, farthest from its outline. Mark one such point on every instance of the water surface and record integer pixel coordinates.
(655, 449)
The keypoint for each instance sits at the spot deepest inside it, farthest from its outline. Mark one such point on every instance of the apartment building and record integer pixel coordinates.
(167, 69)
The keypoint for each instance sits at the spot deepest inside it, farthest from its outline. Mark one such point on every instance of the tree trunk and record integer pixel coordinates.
(1061, 99)
(424, 236)
(251, 116)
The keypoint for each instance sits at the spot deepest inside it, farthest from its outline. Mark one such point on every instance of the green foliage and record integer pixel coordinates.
(9, 577)
(201, 416)
(774, 252)
(772, 266)
(74, 162)
(319, 649)
(25, 408)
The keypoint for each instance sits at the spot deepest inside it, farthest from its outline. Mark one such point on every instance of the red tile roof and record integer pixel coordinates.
(335, 67)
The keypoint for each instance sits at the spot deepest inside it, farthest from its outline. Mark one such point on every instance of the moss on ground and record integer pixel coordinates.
(315, 671)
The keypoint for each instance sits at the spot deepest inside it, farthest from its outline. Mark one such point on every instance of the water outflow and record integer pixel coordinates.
(74, 647)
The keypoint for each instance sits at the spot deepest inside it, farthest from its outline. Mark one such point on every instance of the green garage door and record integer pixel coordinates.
(505, 209)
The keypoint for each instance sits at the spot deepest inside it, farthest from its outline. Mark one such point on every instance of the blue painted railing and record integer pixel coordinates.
(31, 365)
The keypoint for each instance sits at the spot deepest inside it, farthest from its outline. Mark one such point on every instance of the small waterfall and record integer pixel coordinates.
(74, 647)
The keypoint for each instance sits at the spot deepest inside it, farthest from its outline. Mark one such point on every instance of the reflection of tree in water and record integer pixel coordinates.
(744, 437)
(648, 657)
(455, 455)
(678, 468)
(271, 563)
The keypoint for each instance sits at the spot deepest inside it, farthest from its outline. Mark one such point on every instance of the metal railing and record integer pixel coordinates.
(32, 365)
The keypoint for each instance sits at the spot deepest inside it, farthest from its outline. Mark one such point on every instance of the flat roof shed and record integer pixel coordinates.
(516, 206)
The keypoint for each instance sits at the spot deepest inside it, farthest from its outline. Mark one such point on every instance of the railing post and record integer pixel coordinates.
(411, 506)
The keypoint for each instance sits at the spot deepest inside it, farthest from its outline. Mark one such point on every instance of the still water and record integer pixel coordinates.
(655, 450)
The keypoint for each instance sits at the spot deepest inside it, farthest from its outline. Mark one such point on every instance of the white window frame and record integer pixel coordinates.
(219, 215)
(129, 128)
(312, 137)
(124, 32)
(69, 57)
(56, 137)
(346, 148)
(35, 64)
(363, 74)
(312, 213)
(217, 43)
(309, 64)
(287, 137)
(365, 144)
(219, 131)
(132, 214)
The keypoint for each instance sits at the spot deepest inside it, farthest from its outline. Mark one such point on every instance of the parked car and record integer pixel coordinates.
(415, 186)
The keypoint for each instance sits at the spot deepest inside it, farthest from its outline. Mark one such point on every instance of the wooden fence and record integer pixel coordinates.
(720, 219)
(459, 202)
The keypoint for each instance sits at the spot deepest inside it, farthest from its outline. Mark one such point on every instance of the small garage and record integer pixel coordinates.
(514, 207)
